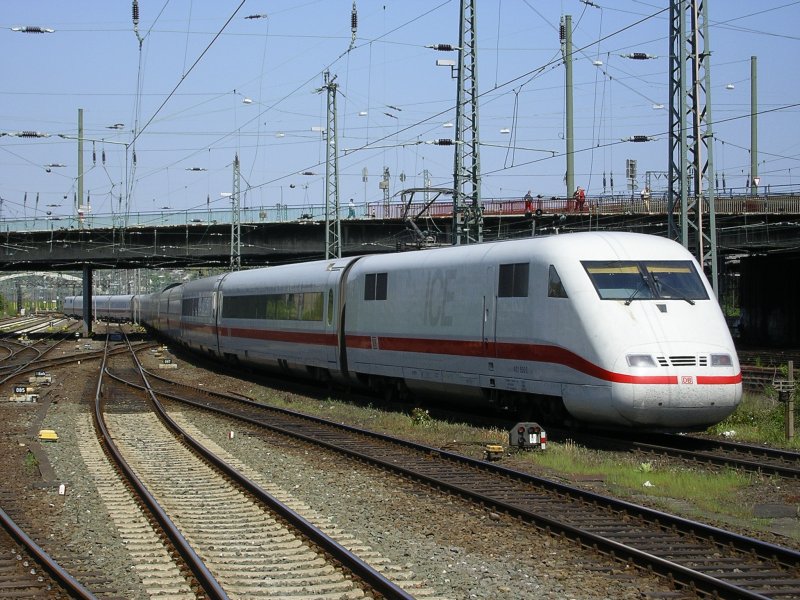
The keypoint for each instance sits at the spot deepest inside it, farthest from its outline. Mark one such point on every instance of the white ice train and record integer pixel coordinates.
(614, 329)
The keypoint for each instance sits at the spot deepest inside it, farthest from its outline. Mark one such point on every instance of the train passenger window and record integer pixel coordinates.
(312, 306)
(513, 281)
(190, 306)
(306, 306)
(244, 307)
(375, 286)
(555, 289)
(196, 307)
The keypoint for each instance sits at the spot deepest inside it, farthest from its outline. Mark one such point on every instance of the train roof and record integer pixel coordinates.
(601, 245)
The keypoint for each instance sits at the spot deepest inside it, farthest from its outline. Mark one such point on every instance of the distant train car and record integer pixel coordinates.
(72, 306)
(104, 307)
(113, 308)
(612, 329)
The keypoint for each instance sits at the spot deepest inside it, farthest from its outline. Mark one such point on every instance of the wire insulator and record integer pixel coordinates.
(443, 47)
(443, 142)
(135, 11)
(32, 29)
(354, 19)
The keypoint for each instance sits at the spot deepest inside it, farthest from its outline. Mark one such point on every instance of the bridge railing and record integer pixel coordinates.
(601, 205)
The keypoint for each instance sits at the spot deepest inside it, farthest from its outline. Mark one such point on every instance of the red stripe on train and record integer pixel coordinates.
(530, 352)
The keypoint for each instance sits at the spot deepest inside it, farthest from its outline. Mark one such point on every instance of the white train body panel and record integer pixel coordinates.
(104, 307)
(621, 328)
(72, 306)
(443, 321)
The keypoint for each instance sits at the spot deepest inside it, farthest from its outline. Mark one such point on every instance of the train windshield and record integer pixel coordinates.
(646, 280)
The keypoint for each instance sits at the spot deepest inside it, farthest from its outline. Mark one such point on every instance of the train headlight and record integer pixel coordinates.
(721, 360)
(640, 360)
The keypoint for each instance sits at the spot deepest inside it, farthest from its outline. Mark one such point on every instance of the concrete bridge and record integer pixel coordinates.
(279, 234)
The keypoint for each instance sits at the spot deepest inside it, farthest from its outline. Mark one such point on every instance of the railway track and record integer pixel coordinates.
(27, 571)
(21, 356)
(761, 367)
(736, 455)
(701, 558)
(235, 538)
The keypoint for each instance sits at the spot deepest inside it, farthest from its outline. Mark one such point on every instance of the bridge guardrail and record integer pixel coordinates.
(281, 213)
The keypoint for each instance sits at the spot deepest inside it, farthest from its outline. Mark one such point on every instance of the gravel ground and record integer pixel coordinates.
(458, 550)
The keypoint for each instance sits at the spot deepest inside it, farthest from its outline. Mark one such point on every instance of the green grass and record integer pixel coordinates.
(759, 419)
(627, 475)
(621, 472)
(31, 464)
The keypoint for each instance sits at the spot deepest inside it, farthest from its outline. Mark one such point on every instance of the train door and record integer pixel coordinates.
(332, 348)
(216, 312)
(489, 325)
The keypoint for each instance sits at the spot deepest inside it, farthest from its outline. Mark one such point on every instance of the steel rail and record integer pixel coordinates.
(690, 576)
(361, 569)
(210, 585)
(56, 571)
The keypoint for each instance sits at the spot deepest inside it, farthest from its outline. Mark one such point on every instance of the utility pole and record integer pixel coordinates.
(333, 222)
(753, 127)
(467, 209)
(79, 199)
(384, 186)
(566, 50)
(236, 219)
(691, 136)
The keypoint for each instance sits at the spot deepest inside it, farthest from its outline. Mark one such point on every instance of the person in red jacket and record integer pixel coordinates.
(580, 198)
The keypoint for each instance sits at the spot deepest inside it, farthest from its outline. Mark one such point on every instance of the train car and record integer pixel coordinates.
(613, 329)
(113, 308)
(72, 306)
(104, 307)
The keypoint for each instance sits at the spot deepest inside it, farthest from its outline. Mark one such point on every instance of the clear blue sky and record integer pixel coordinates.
(253, 89)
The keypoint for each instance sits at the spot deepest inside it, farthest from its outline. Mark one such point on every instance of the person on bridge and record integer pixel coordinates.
(580, 198)
(528, 203)
(645, 193)
(351, 209)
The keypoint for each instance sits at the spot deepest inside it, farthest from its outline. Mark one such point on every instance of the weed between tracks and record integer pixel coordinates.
(759, 419)
(31, 464)
(626, 474)
(621, 473)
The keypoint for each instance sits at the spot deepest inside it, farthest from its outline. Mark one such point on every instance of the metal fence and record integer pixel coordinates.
(281, 213)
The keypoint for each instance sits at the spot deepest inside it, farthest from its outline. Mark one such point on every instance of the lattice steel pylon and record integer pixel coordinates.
(236, 219)
(691, 160)
(333, 222)
(467, 210)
